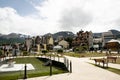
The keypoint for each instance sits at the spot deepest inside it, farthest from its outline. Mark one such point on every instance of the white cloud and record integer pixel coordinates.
(94, 15)
(11, 21)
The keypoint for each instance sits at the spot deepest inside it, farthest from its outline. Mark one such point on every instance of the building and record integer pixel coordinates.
(50, 41)
(97, 42)
(83, 39)
(107, 36)
(47, 42)
(64, 44)
(28, 43)
(113, 45)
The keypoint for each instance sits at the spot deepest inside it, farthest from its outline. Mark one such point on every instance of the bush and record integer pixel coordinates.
(0, 52)
(60, 51)
(81, 49)
(44, 51)
(25, 53)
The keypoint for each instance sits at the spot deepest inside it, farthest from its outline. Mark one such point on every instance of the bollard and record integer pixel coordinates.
(50, 56)
(51, 68)
(25, 72)
(70, 67)
(64, 60)
(67, 63)
(58, 58)
(54, 57)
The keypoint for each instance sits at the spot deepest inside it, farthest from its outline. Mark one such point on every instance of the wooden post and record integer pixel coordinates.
(103, 64)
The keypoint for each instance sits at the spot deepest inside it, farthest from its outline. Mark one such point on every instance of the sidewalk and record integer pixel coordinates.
(82, 70)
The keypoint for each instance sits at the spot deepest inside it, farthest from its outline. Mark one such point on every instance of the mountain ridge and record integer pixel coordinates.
(55, 35)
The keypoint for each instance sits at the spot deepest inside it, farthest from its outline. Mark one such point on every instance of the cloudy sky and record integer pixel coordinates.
(37, 17)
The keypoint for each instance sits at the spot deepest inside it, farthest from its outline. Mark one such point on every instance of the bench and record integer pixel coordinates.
(112, 58)
(103, 61)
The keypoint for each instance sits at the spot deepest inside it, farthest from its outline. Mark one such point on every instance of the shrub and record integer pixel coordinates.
(44, 51)
(0, 52)
(25, 53)
(60, 51)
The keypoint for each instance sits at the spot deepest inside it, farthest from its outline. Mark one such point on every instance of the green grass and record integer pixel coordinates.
(114, 70)
(85, 54)
(117, 71)
(40, 70)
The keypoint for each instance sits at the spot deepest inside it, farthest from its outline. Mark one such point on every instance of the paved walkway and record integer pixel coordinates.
(82, 70)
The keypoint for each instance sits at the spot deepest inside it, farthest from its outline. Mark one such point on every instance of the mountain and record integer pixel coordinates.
(12, 38)
(48, 34)
(115, 32)
(63, 34)
(97, 35)
(13, 35)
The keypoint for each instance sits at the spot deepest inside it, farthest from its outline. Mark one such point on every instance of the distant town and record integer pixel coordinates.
(65, 40)
(62, 53)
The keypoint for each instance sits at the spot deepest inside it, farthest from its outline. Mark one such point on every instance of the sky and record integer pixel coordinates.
(38, 17)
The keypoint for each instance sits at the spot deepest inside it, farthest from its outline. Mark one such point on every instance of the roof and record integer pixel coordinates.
(109, 33)
(57, 47)
(113, 40)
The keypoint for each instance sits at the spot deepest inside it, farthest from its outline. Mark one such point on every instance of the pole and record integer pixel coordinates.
(58, 58)
(70, 67)
(25, 72)
(67, 63)
(50, 67)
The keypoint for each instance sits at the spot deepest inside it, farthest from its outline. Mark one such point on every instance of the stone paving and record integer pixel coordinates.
(82, 70)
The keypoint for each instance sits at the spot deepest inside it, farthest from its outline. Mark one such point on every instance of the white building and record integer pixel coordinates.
(107, 36)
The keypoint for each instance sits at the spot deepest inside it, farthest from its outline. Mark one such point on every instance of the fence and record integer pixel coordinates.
(56, 60)
(64, 60)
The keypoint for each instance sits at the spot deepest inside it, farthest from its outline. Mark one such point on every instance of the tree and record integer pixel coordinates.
(44, 51)
(25, 53)
(0, 52)
(60, 51)
(37, 40)
(69, 40)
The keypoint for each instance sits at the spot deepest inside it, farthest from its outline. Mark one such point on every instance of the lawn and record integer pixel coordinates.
(114, 70)
(85, 54)
(40, 69)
